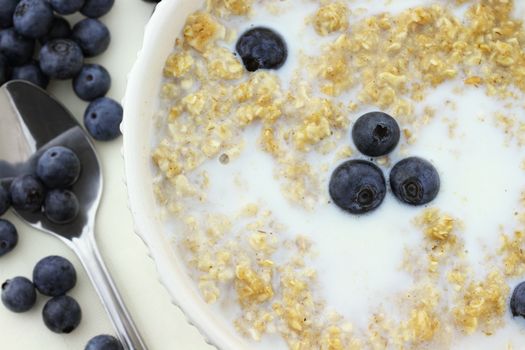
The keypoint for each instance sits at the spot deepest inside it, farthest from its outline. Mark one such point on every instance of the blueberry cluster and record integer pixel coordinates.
(49, 190)
(38, 44)
(58, 168)
(359, 186)
(8, 232)
(53, 277)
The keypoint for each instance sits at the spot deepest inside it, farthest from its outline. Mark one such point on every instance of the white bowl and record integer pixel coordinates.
(140, 105)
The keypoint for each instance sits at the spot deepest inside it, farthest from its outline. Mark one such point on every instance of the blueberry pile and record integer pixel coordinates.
(359, 186)
(58, 168)
(54, 277)
(37, 44)
(47, 190)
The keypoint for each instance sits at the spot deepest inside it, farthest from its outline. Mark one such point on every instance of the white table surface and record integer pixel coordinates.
(162, 325)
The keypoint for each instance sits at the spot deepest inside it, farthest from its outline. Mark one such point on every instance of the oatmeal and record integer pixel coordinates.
(245, 150)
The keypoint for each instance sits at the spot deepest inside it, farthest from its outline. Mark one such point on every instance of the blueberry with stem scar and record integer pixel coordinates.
(376, 134)
(415, 181)
(357, 186)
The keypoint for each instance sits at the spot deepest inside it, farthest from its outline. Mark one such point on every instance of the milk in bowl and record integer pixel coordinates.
(260, 103)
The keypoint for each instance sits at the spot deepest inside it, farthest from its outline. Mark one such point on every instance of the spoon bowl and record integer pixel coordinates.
(32, 122)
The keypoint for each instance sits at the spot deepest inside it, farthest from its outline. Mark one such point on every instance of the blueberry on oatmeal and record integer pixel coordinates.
(357, 186)
(376, 134)
(262, 48)
(415, 181)
(517, 301)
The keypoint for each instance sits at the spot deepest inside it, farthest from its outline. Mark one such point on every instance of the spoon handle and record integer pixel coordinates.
(86, 249)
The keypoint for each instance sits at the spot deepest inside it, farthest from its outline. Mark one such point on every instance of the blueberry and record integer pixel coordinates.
(66, 7)
(7, 9)
(517, 301)
(102, 119)
(5, 200)
(30, 72)
(18, 294)
(62, 314)
(33, 18)
(96, 8)
(92, 82)
(60, 29)
(54, 276)
(104, 342)
(61, 206)
(8, 237)
(61, 59)
(92, 36)
(27, 193)
(4, 69)
(17, 49)
(262, 48)
(376, 134)
(58, 167)
(414, 181)
(357, 186)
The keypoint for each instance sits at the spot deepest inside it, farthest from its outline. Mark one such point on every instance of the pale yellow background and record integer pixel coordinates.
(162, 324)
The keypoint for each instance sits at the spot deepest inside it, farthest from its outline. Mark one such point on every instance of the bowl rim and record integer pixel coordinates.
(136, 154)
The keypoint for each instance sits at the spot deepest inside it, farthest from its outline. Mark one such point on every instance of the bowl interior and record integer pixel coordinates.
(140, 105)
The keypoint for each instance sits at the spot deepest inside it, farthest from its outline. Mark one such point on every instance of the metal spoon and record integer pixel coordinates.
(32, 121)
